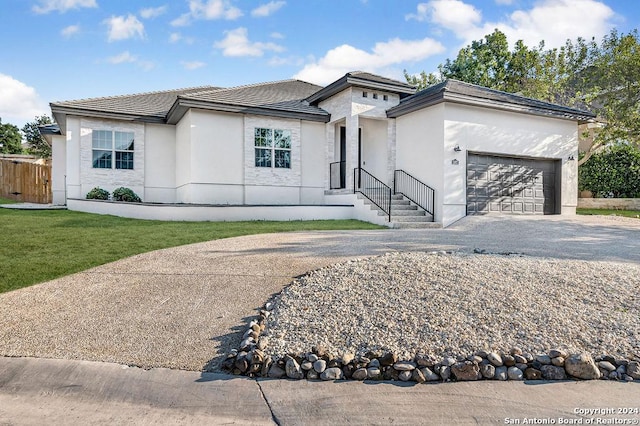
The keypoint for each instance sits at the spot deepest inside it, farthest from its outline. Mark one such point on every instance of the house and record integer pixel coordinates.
(365, 147)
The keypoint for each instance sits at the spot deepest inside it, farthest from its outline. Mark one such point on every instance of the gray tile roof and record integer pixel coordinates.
(286, 95)
(379, 79)
(151, 104)
(461, 92)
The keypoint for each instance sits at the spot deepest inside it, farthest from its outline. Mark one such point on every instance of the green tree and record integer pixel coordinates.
(37, 144)
(612, 172)
(10, 139)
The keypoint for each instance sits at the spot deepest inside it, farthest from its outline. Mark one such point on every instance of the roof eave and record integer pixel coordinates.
(181, 107)
(349, 81)
(60, 112)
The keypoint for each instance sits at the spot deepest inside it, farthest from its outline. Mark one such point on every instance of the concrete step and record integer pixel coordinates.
(394, 212)
(395, 218)
(395, 207)
(416, 225)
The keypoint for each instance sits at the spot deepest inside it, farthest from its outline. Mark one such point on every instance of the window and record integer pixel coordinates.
(365, 94)
(112, 150)
(272, 148)
(385, 97)
(375, 96)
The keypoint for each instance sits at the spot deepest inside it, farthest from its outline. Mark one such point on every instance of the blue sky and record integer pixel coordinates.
(69, 49)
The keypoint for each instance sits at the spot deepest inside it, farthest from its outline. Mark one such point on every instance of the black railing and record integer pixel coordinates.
(373, 189)
(418, 192)
(337, 175)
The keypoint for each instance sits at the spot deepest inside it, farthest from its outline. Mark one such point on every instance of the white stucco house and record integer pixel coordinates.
(365, 147)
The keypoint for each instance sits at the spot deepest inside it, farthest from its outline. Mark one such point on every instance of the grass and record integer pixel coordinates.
(37, 246)
(7, 201)
(608, 212)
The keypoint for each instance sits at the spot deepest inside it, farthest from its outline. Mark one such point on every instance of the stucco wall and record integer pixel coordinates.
(374, 148)
(312, 168)
(58, 169)
(419, 149)
(73, 158)
(487, 130)
(183, 158)
(160, 163)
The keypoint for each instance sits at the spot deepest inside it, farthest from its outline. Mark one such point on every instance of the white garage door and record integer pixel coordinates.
(498, 184)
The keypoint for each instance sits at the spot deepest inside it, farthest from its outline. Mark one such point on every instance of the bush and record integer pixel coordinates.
(125, 194)
(98, 193)
(612, 173)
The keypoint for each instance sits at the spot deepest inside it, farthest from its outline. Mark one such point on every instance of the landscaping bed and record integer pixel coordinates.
(450, 316)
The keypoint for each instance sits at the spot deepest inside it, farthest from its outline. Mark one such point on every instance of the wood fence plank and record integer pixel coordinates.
(26, 182)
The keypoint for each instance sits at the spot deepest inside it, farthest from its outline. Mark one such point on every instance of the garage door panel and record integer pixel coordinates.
(510, 185)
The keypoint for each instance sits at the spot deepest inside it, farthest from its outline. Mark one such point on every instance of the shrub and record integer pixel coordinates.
(125, 194)
(613, 172)
(98, 193)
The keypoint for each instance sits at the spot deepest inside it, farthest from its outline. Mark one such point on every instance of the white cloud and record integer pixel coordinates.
(19, 103)
(122, 58)
(178, 37)
(342, 59)
(62, 6)
(152, 12)
(70, 30)
(276, 35)
(208, 10)
(121, 28)
(267, 9)
(504, 2)
(192, 65)
(237, 43)
(451, 14)
(278, 61)
(553, 21)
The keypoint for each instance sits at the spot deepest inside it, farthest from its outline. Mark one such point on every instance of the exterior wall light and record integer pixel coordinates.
(455, 162)
(457, 148)
(570, 158)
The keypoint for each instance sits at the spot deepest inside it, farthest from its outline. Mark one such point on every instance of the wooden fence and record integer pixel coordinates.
(25, 182)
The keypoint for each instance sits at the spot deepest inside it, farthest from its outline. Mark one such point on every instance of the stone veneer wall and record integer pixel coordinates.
(110, 179)
(609, 203)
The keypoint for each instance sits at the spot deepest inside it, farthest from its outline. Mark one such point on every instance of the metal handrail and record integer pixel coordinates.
(418, 192)
(373, 189)
(337, 171)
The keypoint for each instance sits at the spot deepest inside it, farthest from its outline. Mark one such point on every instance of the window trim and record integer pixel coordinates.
(268, 135)
(113, 151)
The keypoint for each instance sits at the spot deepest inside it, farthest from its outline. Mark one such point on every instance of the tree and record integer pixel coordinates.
(10, 139)
(37, 144)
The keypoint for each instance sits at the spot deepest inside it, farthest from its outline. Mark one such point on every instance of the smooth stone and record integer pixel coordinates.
(374, 363)
(551, 372)
(508, 360)
(347, 358)
(581, 366)
(515, 351)
(622, 370)
(495, 359)
(262, 343)
(465, 371)
(606, 365)
(621, 361)
(449, 361)
(388, 359)
(242, 364)
(333, 373)
(312, 375)
(417, 376)
(405, 375)
(558, 361)
(532, 374)
(359, 374)
(307, 365)
(404, 366)
(275, 372)
(528, 357)
(347, 370)
(293, 369)
(373, 373)
(555, 353)
(312, 357)
(429, 374)
(520, 359)
(488, 371)
(320, 365)
(522, 366)
(425, 360)
(633, 369)
(613, 375)
(445, 372)
(319, 350)
(514, 373)
(501, 373)
(543, 359)
(475, 358)
(266, 365)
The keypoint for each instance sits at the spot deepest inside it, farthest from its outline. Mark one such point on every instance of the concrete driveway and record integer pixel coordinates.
(184, 308)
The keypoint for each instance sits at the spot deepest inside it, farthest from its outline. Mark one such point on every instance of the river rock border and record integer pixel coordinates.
(250, 360)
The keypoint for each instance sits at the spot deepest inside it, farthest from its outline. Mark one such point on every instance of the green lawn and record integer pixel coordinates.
(7, 201)
(606, 212)
(37, 246)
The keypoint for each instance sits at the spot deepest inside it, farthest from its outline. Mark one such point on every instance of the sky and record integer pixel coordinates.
(56, 50)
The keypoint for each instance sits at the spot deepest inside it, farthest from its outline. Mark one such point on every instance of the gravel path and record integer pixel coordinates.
(455, 304)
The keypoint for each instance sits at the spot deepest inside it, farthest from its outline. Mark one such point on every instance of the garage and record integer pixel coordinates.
(511, 185)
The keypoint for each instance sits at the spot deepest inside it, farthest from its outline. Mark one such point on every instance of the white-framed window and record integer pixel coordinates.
(112, 149)
(272, 148)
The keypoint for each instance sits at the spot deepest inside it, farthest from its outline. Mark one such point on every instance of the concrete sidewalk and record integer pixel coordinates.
(41, 391)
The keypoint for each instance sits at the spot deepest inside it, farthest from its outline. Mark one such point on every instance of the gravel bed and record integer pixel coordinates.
(455, 304)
